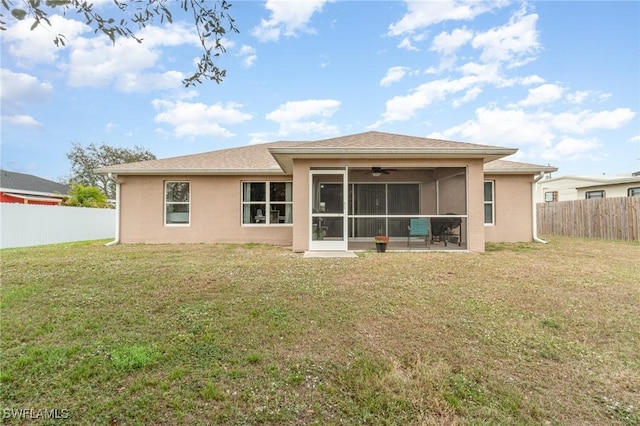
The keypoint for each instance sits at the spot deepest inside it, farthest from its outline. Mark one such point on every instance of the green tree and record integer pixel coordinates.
(86, 196)
(211, 20)
(84, 160)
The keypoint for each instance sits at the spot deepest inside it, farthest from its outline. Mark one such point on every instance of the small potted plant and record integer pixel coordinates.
(381, 243)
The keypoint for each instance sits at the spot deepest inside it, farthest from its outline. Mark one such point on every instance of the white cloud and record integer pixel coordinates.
(544, 94)
(447, 43)
(585, 121)
(93, 61)
(21, 87)
(497, 49)
(394, 74)
(635, 139)
(604, 96)
(531, 79)
(571, 149)
(305, 116)
(403, 108)
(16, 89)
(23, 121)
(297, 110)
(407, 45)
(258, 138)
(469, 96)
(504, 127)
(248, 55)
(96, 62)
(287, 18)
(514, 43)
(549, 135)
(147, 82)
(422, 14)
(198, 119)
(486, 73)
(36, 47)
(578, 96)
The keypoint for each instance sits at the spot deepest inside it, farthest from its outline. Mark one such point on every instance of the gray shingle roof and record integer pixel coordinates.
(16, 182)
(272, 158)
(251, 158)
(391, 141)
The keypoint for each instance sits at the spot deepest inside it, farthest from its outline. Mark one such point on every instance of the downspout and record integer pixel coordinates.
(117, 237)
(535, 212)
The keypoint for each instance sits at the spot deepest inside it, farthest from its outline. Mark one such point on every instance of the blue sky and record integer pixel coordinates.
(558, 80)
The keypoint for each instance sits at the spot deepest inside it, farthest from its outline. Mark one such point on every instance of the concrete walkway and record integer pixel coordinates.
(329, 254)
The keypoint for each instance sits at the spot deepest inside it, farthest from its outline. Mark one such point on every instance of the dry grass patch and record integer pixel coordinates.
(229, 334)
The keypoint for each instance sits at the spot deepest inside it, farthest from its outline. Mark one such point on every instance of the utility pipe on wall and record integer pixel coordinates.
(117, 237)
(534, 208)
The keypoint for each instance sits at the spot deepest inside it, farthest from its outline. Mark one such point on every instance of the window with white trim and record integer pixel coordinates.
(633, 192)
(551, 196)
(489, 204)
(594, 194)
(177, 203)
(267, 203)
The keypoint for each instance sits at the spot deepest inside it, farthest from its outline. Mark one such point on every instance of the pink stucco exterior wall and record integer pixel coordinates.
(215, 212)
(514, 211)
(216, 208)
(475, 195)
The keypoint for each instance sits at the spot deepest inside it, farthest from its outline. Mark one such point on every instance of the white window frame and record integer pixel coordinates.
(491, 202)
(633, 192)
(591, 194)
(267, 203)
(166, 203)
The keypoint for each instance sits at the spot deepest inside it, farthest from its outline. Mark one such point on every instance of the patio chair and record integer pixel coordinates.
(419, 228)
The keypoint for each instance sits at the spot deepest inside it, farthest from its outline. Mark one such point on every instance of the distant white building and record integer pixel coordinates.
(566, 188)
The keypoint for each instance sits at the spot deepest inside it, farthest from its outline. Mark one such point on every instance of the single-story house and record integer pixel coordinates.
(23, 188)
(330, 194)
(568, 188)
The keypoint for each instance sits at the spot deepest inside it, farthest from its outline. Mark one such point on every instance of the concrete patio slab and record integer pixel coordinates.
(329, 254)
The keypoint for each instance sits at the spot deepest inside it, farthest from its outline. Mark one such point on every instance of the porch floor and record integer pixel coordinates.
(401, 245)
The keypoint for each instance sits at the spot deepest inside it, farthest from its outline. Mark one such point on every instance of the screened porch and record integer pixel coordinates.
(383, 202)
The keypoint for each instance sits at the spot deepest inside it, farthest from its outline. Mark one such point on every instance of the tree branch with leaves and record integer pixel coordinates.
(211, 20)
(84, 160)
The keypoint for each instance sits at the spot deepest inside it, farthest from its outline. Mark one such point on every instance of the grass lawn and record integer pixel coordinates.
(229, 334)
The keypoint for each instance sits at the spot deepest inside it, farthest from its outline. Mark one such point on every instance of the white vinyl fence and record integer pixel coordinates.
(23, 225)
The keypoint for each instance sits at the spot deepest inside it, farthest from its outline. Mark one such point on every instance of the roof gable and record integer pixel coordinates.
(385, 145)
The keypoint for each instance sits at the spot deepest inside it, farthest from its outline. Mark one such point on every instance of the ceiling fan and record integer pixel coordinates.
(377, 171)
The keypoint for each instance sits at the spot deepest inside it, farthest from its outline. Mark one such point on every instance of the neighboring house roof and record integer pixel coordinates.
(594, 179)
(613, 181)
(277, 157)
(515, 167)
(22, 183)
(572, 187)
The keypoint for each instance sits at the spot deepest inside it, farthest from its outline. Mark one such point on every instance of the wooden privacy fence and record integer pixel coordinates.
(607, 218)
